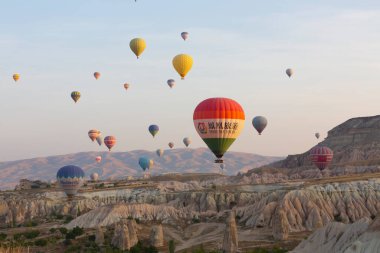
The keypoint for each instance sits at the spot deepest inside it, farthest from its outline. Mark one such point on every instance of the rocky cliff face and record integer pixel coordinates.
(230, 239)
(356, 141)
(125, 235)
(157, 236)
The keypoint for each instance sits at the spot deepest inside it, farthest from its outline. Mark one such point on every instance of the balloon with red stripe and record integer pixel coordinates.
(219, 121)
(321, 156)
(110, 141)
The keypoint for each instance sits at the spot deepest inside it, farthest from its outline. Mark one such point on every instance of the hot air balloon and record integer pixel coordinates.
(96, 75)
(94, 176)
(98, 159)
(171, 144)
(321, 156)
(93, 134)
(137, 46)
(110, 141)
(153, 129)
(159, 152)
(185, 35)
(171, 83)
(99, 140)
(16, 77)
(75, 95)
(259, 123)
(317, 135)
(182, 64)
(126, 86)
(145, 163)
(219, 121)
(289, 72)
(70, 178)
(187, 141)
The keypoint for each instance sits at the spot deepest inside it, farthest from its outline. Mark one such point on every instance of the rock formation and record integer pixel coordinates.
(230, 239)
(99, 236)
(157, 236)
(125, 235)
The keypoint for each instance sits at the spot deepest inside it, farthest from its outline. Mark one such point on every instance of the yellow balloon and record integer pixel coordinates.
(16, 77)
(182, 64)
(137, 46)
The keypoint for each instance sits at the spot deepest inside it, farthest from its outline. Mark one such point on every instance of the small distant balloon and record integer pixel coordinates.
(126, 86)
(97, 75)
(222, 166)
(182, 63)
(137, 46)
(171, 144)
(94, 176)
(187, 141)
(259, 123)
(75, 95)
(185, 35)
(317, 135)
(99, 140)
(145, 163)
(93, 134)
(159, 152)
(171, 83)
(289, 72)
(110, 141)
(153, 129)
(98, 159)
(16, 77)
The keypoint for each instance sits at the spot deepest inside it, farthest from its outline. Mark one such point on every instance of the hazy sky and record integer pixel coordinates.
(240, 49)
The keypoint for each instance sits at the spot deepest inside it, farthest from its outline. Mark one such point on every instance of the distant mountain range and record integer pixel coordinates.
(122, 164)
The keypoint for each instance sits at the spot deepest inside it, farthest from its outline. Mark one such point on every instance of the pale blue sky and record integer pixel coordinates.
(240, 49)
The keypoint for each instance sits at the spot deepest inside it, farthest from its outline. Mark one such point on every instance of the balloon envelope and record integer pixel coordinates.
(145, 163)
(153, 129)
(219, 121)
(187, 141)
(171, 144)
(321, 156)
(94, 176)
(75, 95)
(96, 75)
(171, 83)
(110, 141)
(126, 86)
(317, 135)
(16, 77)
(99, 140)
(70, 178)
(289, 72)
(159, 152)
(93, 134)
(185, 35)
(259, 123)
(182, 63)
(98, 159)
(137, 46)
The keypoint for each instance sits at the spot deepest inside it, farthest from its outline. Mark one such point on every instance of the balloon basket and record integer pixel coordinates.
(218, 161)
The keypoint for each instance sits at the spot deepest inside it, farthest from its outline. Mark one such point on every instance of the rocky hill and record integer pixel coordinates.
(354, 142)
(123, 164)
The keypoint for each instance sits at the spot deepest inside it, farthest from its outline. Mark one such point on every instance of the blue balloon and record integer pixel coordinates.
(145, 163)
(70, 178)
(153, 129)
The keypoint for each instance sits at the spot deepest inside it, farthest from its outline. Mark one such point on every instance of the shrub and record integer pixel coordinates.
(52, 230)
(31, 234)
(91, 238)
(63, 230)
(338, 218)
(68, 218)
(41, 242)
(3, 236)
(59, 216)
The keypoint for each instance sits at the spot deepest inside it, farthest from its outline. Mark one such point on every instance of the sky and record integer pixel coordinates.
(241, 50)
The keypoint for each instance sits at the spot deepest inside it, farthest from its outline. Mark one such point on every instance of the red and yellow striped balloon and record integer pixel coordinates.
(219, 121)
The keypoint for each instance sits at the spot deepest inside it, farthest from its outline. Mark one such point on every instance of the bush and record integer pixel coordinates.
(195, 220)
(52, 230)
(92, 238)
(68, 218)
(41, 242)
(31, 234)
(3, 236)
(59, 216)
(74, 233)
(63, 230)
(31, 223)
(338, 218)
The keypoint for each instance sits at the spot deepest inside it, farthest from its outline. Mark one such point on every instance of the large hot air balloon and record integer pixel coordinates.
(159, 152)
(171, 83)
(137, 46)
(94, 176)
(182, 64)
(219, 121)
(145, 163)
(98, 159)
(187, 141)
(259, 123)
(289, 72)
(96, 75)
(126, 86)
(99, 140)
(75, 95)
(110, 141)
(93, 134)
(16, 77)
(317, 135)
(185, 35)
(153, 129)
(321, 156)
(171, 144)
(70, 178)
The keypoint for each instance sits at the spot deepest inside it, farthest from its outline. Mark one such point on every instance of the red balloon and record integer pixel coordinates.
(321, 156)
(110, 141)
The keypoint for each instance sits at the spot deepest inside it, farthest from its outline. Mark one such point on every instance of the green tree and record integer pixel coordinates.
(171, 246)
